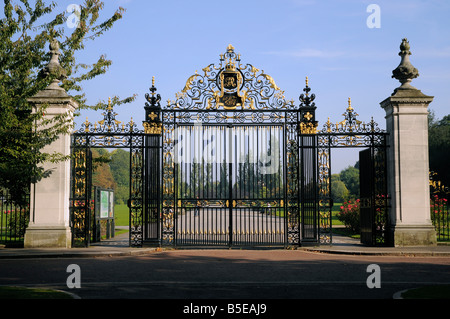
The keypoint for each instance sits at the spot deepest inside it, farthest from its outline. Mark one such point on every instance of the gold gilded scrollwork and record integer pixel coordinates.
(152, 128)
(189, 82)
(308, 128)
(229, 85)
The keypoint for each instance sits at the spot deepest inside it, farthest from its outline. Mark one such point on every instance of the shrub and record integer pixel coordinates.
(439, 212)
(349, 215)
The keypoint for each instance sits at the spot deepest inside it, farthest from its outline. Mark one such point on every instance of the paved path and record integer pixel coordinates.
(231, 274)
(112, 270)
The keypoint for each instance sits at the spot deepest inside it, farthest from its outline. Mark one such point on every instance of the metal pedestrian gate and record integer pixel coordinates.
(229, 162)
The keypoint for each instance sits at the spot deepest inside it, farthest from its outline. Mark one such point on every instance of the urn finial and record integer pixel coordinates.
(405, 71)
(53, 68)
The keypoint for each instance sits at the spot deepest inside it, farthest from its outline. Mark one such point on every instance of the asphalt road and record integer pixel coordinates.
(229, 274)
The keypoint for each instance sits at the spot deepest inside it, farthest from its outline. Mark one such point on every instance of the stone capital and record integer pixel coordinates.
(58, 101)
(407, 97)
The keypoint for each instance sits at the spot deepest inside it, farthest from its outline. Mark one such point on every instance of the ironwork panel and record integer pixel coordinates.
(229, 185)
(152, 188)
(374, 197)
(81, 206)
(136, 202)
(366, 182)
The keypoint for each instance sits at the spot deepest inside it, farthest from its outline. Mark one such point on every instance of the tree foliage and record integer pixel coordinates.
(120, 169)
(26, 30)
(102, 175)
(350, 177)
(339, 191)
(439, 147)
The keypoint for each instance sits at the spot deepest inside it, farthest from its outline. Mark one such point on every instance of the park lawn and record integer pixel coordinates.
(122, 215)
(334, 212)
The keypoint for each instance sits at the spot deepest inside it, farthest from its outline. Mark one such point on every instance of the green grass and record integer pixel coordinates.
(31, 293)
(334, 212)
(122, 214)
(428, 292)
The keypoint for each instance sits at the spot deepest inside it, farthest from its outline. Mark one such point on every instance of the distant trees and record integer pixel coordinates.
(120, 169)
(439, 147)
(102, 175)
(112, 170)
(345, 185)
(339, 191)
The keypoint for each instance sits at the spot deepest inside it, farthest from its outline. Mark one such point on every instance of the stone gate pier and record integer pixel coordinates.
(408, 163)
(49, 207)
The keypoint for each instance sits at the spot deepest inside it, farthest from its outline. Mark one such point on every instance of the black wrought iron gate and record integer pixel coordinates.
(230, 162)
(144, 147)
(107, 133)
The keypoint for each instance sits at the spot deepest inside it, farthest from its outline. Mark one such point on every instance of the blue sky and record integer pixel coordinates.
(328, 41)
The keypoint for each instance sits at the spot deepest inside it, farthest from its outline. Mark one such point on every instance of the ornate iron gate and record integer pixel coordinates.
(315, 149)
(107, 133)
(230, 160)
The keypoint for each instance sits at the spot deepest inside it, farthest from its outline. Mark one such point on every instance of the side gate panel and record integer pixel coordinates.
(366, 182)
(80, 202)
(136, 201)
(373, 197)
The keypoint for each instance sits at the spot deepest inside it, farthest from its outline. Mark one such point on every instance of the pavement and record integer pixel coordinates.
(118, 246)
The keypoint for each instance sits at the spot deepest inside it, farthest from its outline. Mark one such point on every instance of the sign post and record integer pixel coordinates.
(104, 213)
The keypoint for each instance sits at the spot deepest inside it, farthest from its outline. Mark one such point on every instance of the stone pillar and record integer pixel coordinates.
(408, 169)
(49, 207)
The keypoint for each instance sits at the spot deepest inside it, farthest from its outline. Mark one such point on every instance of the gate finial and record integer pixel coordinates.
(308, 123)
(152, 122)
(53, 68)
(405, 71)
(349, 104)
(305, 99)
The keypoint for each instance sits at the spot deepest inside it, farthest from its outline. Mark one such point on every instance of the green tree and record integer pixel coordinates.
(339, 191)
(350, 177)
(26, 30)
(120, 169)
(102, 175)
(439, 147)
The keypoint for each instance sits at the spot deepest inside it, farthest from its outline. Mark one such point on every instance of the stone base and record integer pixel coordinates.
(48, 237)
(414, 235)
